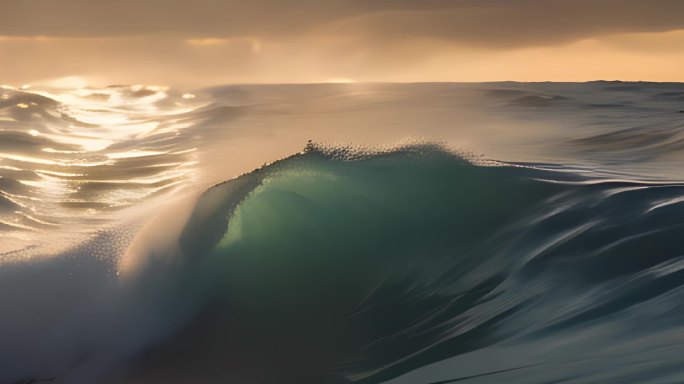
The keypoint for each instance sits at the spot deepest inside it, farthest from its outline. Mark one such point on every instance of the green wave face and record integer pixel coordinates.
(299, 247)
(325, 229)
(369, 267)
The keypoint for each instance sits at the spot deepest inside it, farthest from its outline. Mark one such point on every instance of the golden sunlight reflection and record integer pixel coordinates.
(99, 150)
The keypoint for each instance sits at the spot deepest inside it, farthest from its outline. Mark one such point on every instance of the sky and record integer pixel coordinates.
(209, 42)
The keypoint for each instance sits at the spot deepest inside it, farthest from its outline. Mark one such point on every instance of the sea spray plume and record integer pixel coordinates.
(80, 314)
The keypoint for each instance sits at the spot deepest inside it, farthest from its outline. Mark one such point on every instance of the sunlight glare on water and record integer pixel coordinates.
(73, 150)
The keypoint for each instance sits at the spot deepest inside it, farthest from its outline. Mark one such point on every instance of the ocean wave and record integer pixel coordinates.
(339, 264)
(331, 266)
(391, 262)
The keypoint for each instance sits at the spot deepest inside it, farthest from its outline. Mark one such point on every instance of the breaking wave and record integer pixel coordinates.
(414, 265)
(334, 266)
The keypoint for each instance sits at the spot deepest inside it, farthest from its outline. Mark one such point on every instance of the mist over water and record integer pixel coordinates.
(370, 233)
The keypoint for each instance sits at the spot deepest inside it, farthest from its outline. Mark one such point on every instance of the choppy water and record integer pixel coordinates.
(393, 233)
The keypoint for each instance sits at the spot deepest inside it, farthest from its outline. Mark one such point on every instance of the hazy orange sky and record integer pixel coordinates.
(208, 42)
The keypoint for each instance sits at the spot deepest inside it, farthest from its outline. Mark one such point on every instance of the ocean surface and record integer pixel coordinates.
(342, 233)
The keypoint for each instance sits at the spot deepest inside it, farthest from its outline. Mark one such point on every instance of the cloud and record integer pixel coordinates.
(499, 23)
(213, 41)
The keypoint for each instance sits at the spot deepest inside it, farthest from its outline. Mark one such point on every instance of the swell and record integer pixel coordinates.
(334, 266)
(339, 266)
